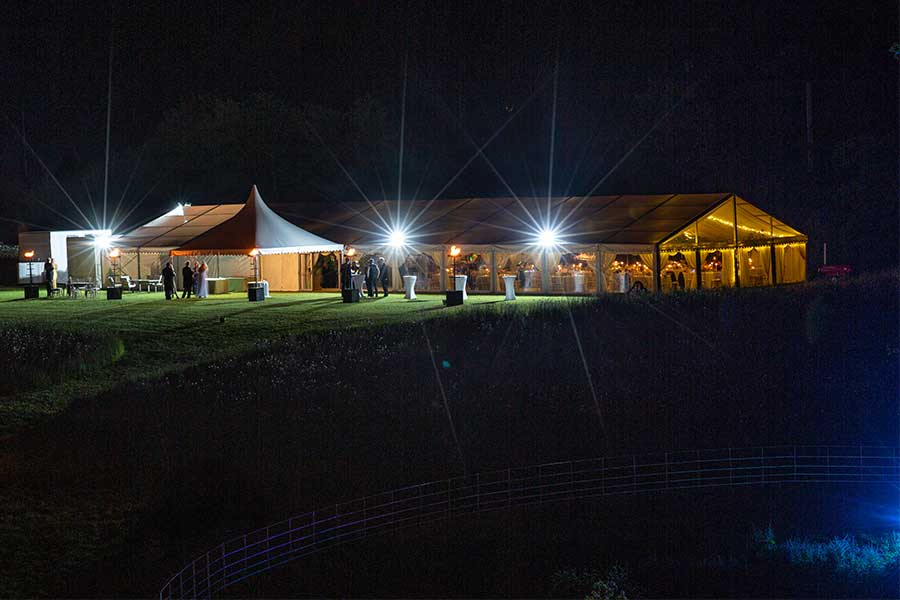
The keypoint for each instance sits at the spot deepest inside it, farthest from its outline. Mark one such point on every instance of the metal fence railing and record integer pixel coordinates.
(277, 544)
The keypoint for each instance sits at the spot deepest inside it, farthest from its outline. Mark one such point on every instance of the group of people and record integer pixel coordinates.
(375, 273)
(193, 280)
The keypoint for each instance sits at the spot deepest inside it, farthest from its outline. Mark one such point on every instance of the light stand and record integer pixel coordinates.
(256, 293)
(31, 290)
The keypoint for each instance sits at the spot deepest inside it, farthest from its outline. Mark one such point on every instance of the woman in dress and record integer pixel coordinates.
(203, 289)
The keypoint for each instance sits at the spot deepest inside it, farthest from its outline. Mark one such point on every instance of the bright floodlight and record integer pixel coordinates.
(397, 239)
(546, 238)
(103, 241)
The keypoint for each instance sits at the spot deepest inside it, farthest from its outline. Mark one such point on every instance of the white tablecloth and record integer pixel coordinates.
(509, 281)
(578, 279)
(459, 285)
(409, 287)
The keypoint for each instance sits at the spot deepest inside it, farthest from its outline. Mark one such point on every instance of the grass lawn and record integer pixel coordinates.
(161, 336)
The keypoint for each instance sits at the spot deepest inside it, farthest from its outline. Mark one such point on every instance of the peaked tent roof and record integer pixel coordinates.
(625, 219)
(256, 226)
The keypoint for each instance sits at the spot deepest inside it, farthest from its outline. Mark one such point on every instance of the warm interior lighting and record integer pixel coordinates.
(114, 253)
(397, 239)
(29, 254)
(254, 252)
(350, 252)
(454, 251)
(546, 238)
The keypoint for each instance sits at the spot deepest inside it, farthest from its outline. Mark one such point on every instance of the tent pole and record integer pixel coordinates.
(698, 269)
(737, 265)
(657, 285)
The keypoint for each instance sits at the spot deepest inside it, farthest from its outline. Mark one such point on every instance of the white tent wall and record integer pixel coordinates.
(282, 271)
(59, 252)
(83, 257)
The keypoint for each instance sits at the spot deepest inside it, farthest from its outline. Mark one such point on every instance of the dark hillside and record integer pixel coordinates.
(332, 416)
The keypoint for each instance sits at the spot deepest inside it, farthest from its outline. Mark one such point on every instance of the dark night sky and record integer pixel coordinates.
(742, 66)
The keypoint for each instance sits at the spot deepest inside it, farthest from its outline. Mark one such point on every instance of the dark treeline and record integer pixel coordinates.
(233, 446)
(205, 103)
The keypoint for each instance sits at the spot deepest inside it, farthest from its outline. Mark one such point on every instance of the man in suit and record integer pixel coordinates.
(346, 274)
(371, 278)
(48, 275)
(187, 280)
(168, 276)
(384, 275)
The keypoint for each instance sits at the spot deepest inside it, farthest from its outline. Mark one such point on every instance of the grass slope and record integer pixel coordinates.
(162, 337)
(114, 493)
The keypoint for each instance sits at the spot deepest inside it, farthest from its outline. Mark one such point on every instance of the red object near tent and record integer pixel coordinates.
(835, 271)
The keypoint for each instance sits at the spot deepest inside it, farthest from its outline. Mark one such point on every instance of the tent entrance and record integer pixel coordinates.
(325, 271)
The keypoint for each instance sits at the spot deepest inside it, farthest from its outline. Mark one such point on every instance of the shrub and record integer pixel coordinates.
(612, 587)
(32, 356)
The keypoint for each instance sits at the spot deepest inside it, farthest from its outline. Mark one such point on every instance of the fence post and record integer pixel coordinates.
(762, 459)
(602, 475)
(795, 463)
(508, 487)
(540, 483)
(477, 492)
(245, 551)
(633, 474)
(667, 468)
(730, 468)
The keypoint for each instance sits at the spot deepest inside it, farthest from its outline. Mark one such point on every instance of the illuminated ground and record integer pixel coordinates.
(161, 336)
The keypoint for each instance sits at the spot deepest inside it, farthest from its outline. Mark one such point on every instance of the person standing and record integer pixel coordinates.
(187, 280)
(346, 274)
(168, 276)
(371, 278)
(48, 275)
(196, 283)
(203, 284)
(53, 275)
(384, 275)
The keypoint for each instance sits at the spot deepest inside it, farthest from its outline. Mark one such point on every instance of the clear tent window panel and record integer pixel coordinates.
(717, 228)
(573, 271)
(678, 269)
(756, 266)
(524, 264)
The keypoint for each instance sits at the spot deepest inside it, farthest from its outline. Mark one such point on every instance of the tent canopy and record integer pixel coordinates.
(255, 226)
(612, 220)
(176, 227)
